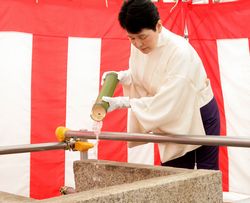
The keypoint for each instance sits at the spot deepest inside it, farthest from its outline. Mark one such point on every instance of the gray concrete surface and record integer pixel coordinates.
(106, 181)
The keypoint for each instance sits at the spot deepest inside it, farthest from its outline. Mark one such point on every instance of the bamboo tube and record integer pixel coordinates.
(100, 107)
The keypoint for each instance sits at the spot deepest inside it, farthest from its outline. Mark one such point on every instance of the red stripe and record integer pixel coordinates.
(212, 21)
(68, 17)
(208, 53)
(114, 56)
(173, 20)
(157, 160)
(48, 102)
(62, 17)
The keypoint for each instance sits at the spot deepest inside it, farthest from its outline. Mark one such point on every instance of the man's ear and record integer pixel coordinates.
(159, 26)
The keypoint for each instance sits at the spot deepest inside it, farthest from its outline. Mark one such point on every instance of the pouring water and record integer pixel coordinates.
(97, 126)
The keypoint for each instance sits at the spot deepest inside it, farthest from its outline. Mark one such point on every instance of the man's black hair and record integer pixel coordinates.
(136, 15)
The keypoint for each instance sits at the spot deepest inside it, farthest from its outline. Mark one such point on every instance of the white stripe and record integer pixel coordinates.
(143, 154)
(82, 90)
(15, 77)
(234, 64)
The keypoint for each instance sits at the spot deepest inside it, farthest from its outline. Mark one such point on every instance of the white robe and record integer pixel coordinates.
(169, 86)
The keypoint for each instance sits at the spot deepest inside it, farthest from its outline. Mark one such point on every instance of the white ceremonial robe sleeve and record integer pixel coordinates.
(173, 109)
(170, 110)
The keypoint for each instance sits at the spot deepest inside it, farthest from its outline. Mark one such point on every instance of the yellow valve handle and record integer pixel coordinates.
(83, 146)
(60, 133)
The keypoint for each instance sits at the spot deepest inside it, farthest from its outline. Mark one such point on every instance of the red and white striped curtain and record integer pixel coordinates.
(52, 56)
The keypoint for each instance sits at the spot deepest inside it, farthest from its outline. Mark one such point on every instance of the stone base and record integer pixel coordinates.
(124, 182)
(11, 198)
(106, 181)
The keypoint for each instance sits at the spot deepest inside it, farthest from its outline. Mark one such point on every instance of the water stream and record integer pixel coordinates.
(97, 126)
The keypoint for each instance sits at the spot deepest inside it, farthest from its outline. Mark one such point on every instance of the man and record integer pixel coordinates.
(166, 88)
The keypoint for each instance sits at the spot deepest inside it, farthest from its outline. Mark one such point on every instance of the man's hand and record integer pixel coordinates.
(123, 77)
(116, 102)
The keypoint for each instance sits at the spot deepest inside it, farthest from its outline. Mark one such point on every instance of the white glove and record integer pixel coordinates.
(116, 102)
(124, 77)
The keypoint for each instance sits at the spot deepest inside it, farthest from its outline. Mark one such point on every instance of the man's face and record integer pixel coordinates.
(146, 40)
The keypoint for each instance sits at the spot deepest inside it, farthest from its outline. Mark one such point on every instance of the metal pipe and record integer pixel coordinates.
(32, 147)
(161, 138)
(134, 137)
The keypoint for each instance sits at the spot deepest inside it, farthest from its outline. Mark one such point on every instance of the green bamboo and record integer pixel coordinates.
(99, 109)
